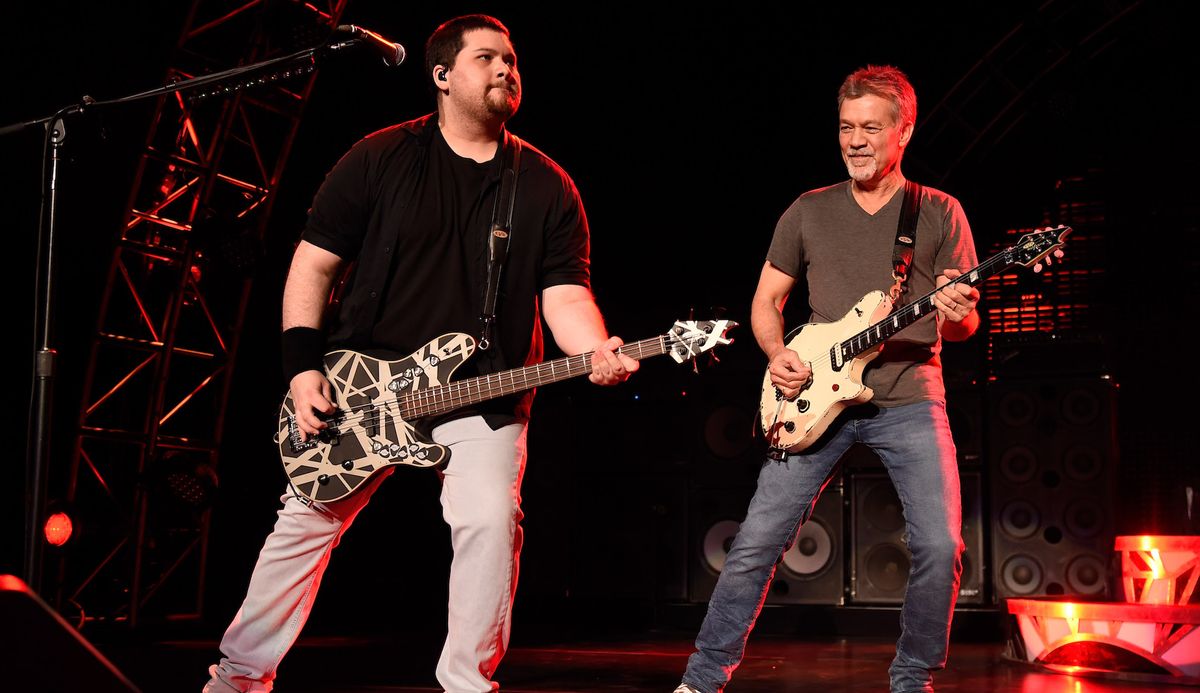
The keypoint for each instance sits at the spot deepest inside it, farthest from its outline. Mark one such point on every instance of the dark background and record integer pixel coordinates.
(688, 133)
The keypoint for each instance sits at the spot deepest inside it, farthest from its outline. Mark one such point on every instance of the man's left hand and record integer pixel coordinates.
(955, 301)
(609, 367)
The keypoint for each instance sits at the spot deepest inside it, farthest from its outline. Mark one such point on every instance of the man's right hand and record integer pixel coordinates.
(788, 372)
(311, 393)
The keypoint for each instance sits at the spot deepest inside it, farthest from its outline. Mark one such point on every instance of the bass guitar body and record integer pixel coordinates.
(371, 432)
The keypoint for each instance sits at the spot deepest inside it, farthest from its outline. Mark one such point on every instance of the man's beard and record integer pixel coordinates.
(503, 102)
(861, 173)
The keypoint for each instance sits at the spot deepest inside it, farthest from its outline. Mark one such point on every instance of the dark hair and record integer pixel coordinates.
(447, 40)
(886, 82)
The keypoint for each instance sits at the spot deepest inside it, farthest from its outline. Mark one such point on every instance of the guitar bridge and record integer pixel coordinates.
(295, 436)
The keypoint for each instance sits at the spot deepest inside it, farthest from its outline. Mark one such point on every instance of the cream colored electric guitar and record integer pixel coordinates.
(838, 351)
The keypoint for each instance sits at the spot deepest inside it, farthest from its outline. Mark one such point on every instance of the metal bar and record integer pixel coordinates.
(186, 398)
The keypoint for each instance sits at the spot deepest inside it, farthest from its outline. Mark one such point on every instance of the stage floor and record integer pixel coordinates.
(649, 663)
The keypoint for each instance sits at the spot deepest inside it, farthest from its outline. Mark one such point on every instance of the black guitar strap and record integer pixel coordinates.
(906, 238)
(498, 236)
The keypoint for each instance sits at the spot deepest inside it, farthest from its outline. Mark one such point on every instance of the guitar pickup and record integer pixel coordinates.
(370, 419)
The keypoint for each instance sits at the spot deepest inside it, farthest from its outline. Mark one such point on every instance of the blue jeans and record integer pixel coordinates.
(915, 445)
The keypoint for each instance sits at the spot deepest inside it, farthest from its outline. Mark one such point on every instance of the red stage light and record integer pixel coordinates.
(1154, 635)
(58, 529)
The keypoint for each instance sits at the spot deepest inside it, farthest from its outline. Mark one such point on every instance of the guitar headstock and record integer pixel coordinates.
(1033, 247)
(688, 339)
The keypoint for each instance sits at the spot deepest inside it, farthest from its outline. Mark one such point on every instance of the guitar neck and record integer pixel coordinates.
(464, 393)
(884, 329)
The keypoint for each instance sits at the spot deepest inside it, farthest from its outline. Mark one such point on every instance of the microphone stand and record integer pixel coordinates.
(37, 461)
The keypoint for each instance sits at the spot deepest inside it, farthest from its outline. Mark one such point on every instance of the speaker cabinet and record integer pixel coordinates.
(810, 571)
(964, 410)
(39, 651)
(1052, 452)
(880, 560)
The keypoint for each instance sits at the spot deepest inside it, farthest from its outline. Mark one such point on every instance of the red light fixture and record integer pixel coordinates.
(1154, 635)
(57, 529)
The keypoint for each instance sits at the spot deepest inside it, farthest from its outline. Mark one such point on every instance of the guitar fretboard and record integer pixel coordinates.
(463, 393)
(877, 333)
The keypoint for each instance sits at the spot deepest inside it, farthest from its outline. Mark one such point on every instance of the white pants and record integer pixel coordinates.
(481, 502)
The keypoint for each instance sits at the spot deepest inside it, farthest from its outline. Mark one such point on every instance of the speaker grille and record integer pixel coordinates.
(1052, 444)
(880, 561)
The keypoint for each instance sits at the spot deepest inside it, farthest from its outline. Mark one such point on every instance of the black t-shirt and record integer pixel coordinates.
(415, 218)
(441, 289)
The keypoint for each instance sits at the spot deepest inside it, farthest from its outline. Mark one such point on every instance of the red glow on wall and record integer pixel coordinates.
(58, 529)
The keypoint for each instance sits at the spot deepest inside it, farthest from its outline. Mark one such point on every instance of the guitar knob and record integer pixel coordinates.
(348, 465)
(802, 405)
(323, 479)
(790, 427)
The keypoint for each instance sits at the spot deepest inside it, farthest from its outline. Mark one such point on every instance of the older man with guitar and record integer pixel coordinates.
(862, 246)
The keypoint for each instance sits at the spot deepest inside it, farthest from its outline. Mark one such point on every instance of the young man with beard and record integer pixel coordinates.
(412, 207)
(840, 241)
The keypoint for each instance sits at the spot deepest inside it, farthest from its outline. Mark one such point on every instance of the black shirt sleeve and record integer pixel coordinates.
(337, 221)
(567, 258)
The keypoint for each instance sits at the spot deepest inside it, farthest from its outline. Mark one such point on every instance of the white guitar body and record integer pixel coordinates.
(795, 424)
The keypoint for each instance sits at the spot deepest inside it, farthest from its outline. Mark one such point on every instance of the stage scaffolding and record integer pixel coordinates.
(145, 454)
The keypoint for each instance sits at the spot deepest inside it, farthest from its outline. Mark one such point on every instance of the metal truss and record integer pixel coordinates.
(989, 100)
(145, 453)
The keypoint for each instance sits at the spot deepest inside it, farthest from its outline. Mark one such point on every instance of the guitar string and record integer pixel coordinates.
(423, 402)
(826, 357)
(986, 265)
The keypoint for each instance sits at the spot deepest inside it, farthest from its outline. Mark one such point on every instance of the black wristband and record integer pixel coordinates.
(301, 349)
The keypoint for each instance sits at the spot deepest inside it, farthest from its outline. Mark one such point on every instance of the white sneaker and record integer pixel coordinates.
(684, 688)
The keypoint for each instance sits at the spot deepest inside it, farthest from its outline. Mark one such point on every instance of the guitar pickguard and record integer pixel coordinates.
(371, 434)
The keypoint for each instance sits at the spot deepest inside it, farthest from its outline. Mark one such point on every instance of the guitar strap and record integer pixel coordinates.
(906, 238)
(498, 236)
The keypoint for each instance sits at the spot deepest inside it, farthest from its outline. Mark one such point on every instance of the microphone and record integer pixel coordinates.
(392, 53)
